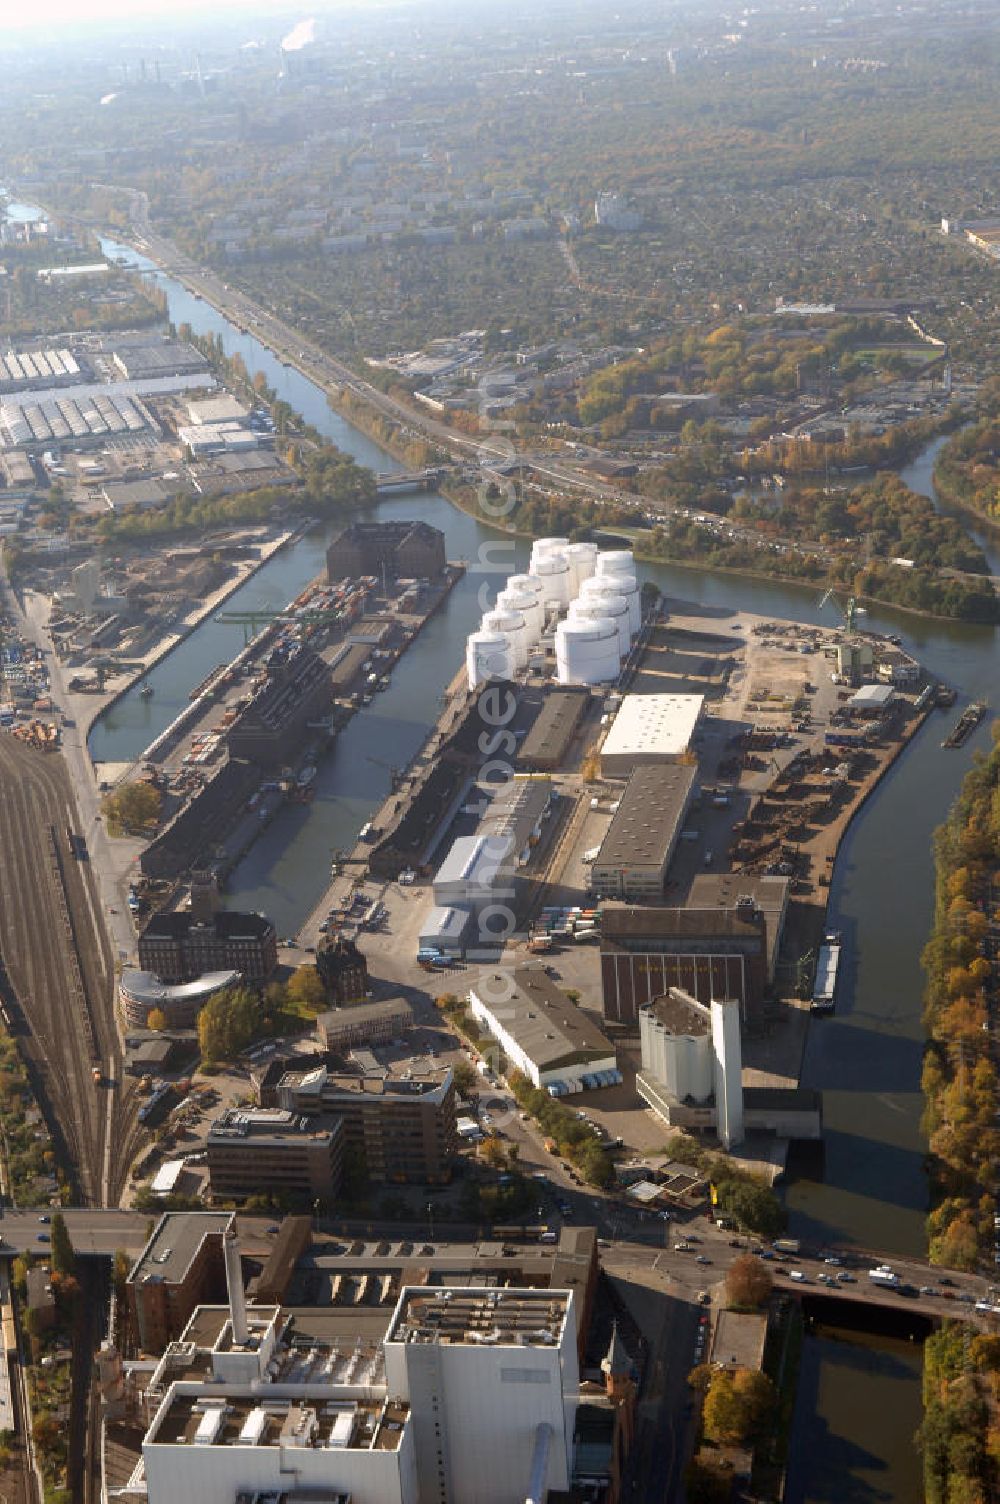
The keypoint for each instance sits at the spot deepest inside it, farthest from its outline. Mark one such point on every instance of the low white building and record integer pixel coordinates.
(542, 1033)
(650, 729)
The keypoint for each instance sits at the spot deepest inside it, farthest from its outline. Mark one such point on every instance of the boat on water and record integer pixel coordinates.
(824, 998)
(146, 692)
(306, 776)
(945, 696)
(966, 724)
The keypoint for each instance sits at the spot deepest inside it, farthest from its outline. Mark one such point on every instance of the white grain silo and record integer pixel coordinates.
(582, 560)
(531, 606)
(512, 625)
(615, 607)
(587, 651)
(488, 655)
(553, 571)
(616, 584)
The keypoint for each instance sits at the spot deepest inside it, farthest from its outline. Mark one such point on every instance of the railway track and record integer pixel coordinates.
(59, 971)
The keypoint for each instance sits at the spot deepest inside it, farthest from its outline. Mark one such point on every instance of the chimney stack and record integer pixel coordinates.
(234, 1284)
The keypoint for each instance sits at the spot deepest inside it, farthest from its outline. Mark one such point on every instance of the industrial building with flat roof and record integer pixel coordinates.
(711, 953)
(296, 694)
(398, 550)
(269, 1150)
(404, 1129)
(650, 729)
(642, 836)
(542, 1032)
(724, 890)
(547, 744)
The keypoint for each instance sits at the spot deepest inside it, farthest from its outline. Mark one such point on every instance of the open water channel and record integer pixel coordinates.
(865, 1059)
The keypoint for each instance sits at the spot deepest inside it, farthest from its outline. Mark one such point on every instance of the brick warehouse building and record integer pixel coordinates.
(178, 946)
(403, 550)
(709, 953)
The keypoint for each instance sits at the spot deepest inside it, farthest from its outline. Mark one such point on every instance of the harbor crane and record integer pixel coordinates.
(849, 611)
(253, 622)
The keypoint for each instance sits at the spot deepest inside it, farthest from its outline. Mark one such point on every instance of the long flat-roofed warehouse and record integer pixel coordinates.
(545, 748)
(650, 729)
(642, 836)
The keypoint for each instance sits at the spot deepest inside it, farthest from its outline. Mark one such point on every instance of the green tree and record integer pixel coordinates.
(227, 1023)
(305, 989)
(133, 807)
(63, 1257)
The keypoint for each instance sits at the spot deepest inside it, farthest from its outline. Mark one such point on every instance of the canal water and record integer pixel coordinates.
(865, 1059)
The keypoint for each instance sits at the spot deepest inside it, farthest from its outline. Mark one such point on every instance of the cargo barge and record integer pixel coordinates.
(966, 724)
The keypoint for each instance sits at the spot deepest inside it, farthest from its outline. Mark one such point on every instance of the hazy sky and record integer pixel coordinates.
(19, 15)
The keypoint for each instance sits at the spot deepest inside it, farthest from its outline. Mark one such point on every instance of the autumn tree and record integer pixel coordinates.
(227, 1023)
(305, 989)
(156, 1019)
(748, 1283)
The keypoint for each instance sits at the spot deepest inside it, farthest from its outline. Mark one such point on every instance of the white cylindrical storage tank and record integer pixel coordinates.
(488, 655)
(553, 571)
(615, 607)
(616, 561)
(616, 584)
(587, 651)
(582, 560)
(512, 625)
(543, 546)
(529, 583)
(531, 607)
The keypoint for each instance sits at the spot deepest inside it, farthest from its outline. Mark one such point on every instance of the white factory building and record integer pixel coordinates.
(542, 1032)
(692, 1064)
(471, 1396)
(650, 729)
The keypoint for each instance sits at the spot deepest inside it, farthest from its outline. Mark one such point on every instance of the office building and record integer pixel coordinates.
(181, 1267)
(392, 550)
(402, 1129)
(141, 993)
(709, 953)
(266, 1150)
(640, 841)
(650, 730)
(542, 1033)
(180, 947)
(341, 1029)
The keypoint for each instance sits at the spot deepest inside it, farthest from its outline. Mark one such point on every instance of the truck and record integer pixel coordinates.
(786, 1245)
(883, 1275)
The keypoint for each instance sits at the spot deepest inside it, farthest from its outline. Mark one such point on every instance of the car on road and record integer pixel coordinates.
(833, 1260)
(798, 1275)
(944, 1279)
(765, 1253)
(846, 1279)
(43, 1237)
(826, 1279)
(682, 1247)
(703, 1259)
(45, 1219)
(929, 1290)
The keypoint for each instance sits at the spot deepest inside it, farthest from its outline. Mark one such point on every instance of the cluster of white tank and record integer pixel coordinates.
(596, 595)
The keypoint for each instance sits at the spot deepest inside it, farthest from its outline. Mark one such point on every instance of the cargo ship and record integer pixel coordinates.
(966, 724)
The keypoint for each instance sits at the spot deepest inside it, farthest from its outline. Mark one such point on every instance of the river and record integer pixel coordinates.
(865, 1059)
